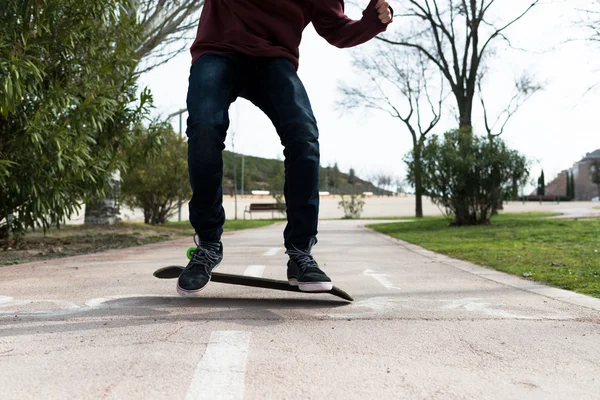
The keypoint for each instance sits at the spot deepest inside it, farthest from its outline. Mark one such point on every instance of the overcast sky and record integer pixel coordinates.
(556, 127)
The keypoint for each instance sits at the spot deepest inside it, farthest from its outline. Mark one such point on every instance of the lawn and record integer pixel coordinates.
(230, 225)
(560, 252)
(73, 240)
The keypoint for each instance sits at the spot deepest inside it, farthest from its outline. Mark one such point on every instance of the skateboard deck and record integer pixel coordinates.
(173, 271)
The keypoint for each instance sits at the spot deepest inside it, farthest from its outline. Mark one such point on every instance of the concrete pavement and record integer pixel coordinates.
(422, 326)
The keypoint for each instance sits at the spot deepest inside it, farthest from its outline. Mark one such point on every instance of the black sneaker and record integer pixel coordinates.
(303, 271)
(196, 275)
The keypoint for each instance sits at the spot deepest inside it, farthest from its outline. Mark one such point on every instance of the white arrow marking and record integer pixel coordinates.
(381, 278)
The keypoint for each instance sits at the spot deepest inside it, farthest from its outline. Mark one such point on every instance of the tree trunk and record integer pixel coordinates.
(101, 212)
(418, 184)
(465, 110)
(5, 232)
(105, 211)
(460, 202)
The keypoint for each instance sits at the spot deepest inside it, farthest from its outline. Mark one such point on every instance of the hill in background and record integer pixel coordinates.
(268, 174)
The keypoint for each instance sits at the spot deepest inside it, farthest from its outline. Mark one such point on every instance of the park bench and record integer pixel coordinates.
(542, 198)
(263, 207)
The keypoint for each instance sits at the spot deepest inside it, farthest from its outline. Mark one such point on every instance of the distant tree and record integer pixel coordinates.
(541, 190)
(156, 181)
(399, 183)
(387, 183)
(334, 174)
(573, 193)
(351, 177)
(595, 174)
(384, 182)
(323, 172)
(276, 182)
(374, 179)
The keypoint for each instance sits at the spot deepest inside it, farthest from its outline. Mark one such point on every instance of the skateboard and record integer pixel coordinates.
(173, 271)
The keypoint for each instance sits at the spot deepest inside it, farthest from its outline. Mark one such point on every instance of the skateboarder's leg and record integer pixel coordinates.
(215, 82)
(278, 91)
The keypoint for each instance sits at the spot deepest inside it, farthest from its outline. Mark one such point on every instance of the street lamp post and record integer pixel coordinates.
(180, 115)
(235, 184)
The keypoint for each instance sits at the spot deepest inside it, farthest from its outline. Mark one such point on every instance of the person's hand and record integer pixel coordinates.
(383, 10)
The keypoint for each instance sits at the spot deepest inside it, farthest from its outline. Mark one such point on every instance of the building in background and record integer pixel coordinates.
(585, 189)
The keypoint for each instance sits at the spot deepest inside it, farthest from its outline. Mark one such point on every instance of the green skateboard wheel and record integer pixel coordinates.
(189, 252)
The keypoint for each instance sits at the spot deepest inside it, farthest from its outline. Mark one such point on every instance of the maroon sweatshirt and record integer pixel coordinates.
(273, 28)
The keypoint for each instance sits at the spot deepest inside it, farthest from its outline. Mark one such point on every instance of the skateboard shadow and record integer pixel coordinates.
(274, 303)
(150, 310)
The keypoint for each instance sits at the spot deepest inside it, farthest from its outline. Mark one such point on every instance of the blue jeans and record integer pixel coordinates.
(272, 84)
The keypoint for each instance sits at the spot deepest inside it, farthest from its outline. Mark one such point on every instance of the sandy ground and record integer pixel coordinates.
(375, 207)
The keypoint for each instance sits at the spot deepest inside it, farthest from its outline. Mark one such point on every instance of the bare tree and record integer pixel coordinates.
(386, 180)
(591, 22)
(525, 87)
(456, 36)
(381, 180)
(399, 185)
(399, 84)
(169, 26)
(167, 30)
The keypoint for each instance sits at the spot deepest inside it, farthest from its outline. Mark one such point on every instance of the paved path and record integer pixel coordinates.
(422, 326)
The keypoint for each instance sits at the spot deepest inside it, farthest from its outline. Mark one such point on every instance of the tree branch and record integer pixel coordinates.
(165, 23)
(506, 26)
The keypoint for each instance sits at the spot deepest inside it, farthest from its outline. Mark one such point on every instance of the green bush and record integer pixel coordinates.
(469, 176)
(157, 178)
(67, 94)
(353, 207)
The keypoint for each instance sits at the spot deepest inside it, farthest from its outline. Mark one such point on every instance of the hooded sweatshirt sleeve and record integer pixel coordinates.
(331, 23)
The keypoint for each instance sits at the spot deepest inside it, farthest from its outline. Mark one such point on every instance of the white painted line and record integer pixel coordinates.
(472, 305)
(381, 278)
(64, 304)
(221, 372)
(99, 301)
(272, 251)
(254, 270)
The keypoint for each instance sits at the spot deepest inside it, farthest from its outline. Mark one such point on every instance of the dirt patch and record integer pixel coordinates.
(76, 240)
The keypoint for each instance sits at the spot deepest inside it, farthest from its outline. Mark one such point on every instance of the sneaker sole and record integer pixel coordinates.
(190, 293)
(311, 286)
